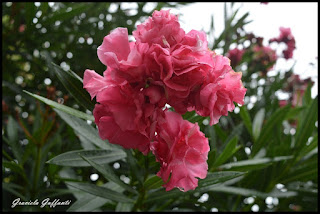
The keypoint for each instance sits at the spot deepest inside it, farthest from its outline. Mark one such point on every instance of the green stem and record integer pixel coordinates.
(6, 155)
(236, 203)
(139, 204)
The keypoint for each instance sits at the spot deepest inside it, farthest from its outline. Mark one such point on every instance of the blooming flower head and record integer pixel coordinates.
(182, 150)
(265, 57)
(163, 66)
(287, 38)
(235, 56)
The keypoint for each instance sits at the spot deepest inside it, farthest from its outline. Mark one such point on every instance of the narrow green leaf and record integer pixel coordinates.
(252, 164)
(64, 108)
(305, 171)
(124, 207)
(222, 135)
(65, 14)
(89, 202)
(101, 192)
(12, 130)
(307, 98)
(203, 185)
(10, 188)
(107, 172)
(257, 123)
(163, 195)
(267, 131)
(307, 125)
(309, 147)
(85, 130)
(72, 158)
(218, 177)
(15, 168)
(13, 139)
(245, 116)
(153, 182)
(228, 151)
(294, 112)
(252, 192)
(74, 87)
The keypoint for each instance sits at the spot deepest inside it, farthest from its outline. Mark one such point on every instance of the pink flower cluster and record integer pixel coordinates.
(163, 66)
(287, 38)
(296, 88)
(235, 56)
(265, 56)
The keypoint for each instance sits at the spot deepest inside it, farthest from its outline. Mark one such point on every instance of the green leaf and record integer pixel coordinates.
(15, 168)
(305, 171)
(72, 158)
(218, 177)
(162, 194)
(307, 98)
(309, 147)
(64, 108)
(228, 151)
(89, 202)
(12, 130)
(252, 164)
(222, 135)
(10, 188)
(85, 131)
(13, 139)
(203, 185)
(74, 87)
(153, 182)
(257, 123)
(107, 172)
(294, 112)
(65, 14)
(306, 126)
(124, 207)
(101, 192)
(267, 131)
(252, 192)
(245, 116)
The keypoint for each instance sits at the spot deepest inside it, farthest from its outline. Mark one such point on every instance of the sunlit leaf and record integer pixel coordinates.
(61, 107)
(101, 192)
(85, 130)
(228, 151)
(74, 86)
(72, 158)
(107, 172)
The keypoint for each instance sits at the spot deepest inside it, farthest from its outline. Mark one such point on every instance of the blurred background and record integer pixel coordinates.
(35, 34)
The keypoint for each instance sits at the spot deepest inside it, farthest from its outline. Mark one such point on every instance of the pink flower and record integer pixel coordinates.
(182, 150)
(123, 59)
(217, 98)
(287, 38)
(110, 130)
(164, 66)
(235, 56)
(130, 110)
(265, 57)
(162, 28)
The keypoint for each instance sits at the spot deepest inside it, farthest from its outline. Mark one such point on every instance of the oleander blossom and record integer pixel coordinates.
(235, 56)
(287, 38)
(182, 150)
(163, 66)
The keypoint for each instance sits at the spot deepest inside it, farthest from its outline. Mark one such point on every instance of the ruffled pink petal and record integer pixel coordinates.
(115, 47)
(182, 150)
(94, 82)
